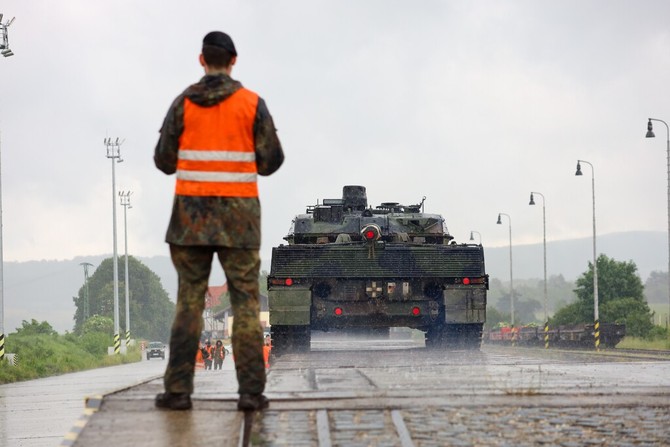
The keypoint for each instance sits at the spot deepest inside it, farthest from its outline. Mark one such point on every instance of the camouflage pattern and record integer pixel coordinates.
(216, 221)
(227, 226)
(193, 266)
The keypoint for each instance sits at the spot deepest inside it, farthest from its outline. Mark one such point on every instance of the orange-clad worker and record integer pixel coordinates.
(207, 352)
(199, 361)
(219, 354)
(267, 347)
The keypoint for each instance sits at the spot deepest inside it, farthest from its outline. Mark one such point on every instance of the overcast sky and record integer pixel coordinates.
(472, 104)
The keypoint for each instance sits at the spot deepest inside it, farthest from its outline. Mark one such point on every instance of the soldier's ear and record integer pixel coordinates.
(201, 59)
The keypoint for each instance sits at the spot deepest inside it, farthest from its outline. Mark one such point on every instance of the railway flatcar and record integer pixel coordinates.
(576, 335)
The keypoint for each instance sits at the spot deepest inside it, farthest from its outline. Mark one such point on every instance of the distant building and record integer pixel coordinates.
(214, 296)
(220, 323)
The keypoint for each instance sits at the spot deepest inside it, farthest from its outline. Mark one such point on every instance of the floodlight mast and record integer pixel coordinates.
(4, 37)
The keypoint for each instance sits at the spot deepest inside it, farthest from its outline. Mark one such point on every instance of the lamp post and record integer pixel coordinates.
(86, 265)
(114, 153)
(511, 277)
(650, 134)
(472, 238)
(596, 325)
(544, 246)
(4, 38)
(125, 203)
(2, 282)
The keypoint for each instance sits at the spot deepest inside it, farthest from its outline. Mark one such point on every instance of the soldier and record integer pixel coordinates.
(219, 355)
(207, 353)
(217, 136)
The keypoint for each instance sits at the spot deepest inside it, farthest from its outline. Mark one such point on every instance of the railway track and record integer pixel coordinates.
(612, 353)
(396, 393)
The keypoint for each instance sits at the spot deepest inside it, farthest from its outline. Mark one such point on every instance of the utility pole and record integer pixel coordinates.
(86, 311)
(125, 203)
(114, 153)
(2, 285)
(6, 52)
(4, 38)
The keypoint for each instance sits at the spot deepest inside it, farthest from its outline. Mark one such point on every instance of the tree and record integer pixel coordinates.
(524, 308)
(98, 323)
(656, 288)
(560, 292)
(494, 316)
(151, 311)
(620, 298)
(35, 328)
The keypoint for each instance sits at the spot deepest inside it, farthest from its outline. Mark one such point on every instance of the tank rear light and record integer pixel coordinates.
(416, 311)
(337, 311)
(282, 281)
(470, 281)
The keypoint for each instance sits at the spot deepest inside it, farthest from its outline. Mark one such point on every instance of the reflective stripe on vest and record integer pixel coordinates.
(216, 150)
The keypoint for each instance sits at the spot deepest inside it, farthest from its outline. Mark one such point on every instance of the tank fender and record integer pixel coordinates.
(465, 305)
(290, 306)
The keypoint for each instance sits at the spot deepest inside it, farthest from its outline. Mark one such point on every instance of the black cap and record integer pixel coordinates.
(220, 40)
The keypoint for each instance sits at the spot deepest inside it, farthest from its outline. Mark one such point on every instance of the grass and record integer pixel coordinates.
(661, 313)
(44, 355)
(641, 343)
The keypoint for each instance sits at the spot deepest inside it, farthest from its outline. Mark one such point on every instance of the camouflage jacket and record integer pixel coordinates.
(218, 221)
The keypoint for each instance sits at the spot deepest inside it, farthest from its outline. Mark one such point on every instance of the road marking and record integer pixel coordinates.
(92, 404)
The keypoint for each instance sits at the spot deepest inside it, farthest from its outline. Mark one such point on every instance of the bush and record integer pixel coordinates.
(42, 352)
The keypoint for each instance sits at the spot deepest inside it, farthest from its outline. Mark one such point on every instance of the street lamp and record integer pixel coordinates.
(125, 203)
(650, 134)
(472, 238)
(596, 326)
(85, 312)
(4, 38)
(544, 246)
(511, 277)
(114, 153)
(2, 282)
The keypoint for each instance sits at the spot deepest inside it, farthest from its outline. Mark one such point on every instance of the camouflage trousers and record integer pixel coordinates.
(193, 265)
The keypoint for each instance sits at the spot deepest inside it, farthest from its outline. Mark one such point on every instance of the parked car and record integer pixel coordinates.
(156, 349)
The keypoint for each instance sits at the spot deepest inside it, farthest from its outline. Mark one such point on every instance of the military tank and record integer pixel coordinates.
(347, 266)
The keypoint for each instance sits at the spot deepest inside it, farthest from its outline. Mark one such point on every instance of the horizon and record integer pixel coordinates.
(25, 282)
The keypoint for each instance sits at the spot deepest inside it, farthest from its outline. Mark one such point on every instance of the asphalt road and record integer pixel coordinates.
(38, 413)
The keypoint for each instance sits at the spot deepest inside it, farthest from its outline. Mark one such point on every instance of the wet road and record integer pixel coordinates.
(38, 413)
(393, 393)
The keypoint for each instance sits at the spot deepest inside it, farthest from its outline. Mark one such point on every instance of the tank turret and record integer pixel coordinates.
(354, 198)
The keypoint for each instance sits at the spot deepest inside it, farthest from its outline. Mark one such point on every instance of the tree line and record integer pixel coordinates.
(621, 297)
(151, 311)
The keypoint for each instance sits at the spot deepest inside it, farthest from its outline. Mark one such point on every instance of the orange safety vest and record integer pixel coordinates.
(266, 355)
(209, 349)
(199, 362)
(217, 154)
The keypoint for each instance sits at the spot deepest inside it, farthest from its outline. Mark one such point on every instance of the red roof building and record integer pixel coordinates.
(213, 295)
